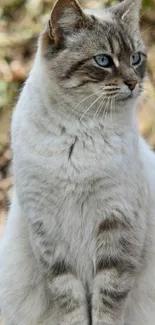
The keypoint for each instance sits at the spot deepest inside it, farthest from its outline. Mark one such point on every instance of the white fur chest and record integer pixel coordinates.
(72, 182)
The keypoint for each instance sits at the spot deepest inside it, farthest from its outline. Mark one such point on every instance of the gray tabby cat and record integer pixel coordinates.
(79, 245)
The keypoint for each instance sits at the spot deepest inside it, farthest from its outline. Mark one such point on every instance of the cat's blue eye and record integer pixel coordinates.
(136, 58)
(104, 60)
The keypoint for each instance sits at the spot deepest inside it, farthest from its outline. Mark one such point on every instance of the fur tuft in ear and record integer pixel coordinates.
(128, 11)
(66, 16)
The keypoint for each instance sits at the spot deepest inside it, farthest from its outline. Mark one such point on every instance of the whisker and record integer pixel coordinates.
(103, 103)
(86, 111)
(83, 102)
(105, 111)
(147, 29)
(99, 108)
(144, 12)
(114, 109)
(153, 92)
(111, 108)
(143, 107)
(147, 99)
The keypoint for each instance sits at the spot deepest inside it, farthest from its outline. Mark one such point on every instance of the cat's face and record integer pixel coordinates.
(96, 51)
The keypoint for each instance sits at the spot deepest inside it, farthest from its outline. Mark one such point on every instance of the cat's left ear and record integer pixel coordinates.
(66, 17)
(129, 12)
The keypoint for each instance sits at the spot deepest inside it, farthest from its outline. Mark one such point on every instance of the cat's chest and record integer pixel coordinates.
(74, 230)
(78, 181)
(80, 160)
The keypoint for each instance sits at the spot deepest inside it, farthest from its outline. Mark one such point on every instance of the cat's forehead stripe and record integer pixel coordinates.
(124, 43)
(116, 44)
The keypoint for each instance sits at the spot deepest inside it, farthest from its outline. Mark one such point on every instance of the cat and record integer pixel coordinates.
(79, 244)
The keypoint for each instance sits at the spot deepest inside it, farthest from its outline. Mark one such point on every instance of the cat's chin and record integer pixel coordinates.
(127, 97)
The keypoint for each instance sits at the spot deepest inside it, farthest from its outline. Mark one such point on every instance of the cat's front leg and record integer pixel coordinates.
(118, 259)
(68, 297)
(66, 292)
(109, 299)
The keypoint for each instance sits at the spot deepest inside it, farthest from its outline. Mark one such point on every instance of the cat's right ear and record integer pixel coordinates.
(128, 11)
(66, 16)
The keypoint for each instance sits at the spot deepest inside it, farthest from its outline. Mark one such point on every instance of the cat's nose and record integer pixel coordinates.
(130, 83)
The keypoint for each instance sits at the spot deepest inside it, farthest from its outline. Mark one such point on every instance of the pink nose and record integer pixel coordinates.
(131, 84)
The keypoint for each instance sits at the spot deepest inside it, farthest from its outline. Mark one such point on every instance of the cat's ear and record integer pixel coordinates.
(66, 16)
(129, 12)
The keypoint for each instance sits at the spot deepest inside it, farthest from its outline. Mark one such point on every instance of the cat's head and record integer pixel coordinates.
(95, 51)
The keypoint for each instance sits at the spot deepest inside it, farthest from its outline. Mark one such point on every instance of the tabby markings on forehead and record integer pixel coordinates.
(119, 44)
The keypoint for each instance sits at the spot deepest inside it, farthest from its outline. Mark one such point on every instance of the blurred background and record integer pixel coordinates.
(20, 23)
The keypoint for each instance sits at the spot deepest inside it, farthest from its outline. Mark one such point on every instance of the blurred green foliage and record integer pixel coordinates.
(147, 3)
